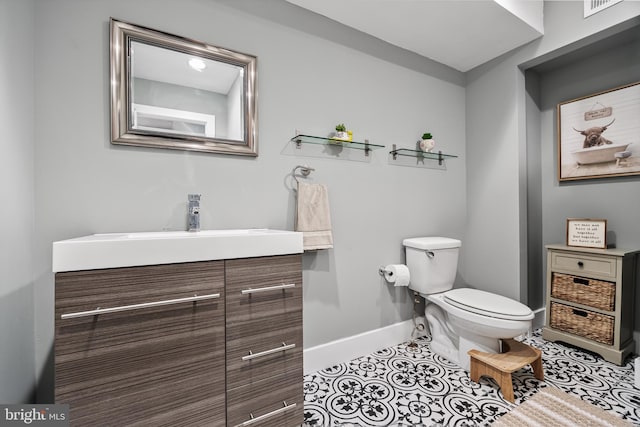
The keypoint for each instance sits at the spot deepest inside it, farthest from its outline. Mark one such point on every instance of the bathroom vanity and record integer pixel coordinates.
(208, 334)
(590, 299)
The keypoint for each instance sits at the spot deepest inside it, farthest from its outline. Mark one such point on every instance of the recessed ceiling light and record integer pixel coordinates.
(197, 64)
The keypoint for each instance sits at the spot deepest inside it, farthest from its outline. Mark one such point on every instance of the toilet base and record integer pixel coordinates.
(444, 341)
(484, 344)
(455, 346)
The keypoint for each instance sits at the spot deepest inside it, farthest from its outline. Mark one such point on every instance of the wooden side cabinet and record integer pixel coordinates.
(141, 345)
(590, 299)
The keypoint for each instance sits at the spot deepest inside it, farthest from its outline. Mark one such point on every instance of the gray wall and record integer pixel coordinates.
(86, 185)
(17, 373)
(616, 199)
(497, 132)
(532, 211)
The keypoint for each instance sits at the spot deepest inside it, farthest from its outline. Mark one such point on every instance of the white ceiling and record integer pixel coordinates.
(457, 33)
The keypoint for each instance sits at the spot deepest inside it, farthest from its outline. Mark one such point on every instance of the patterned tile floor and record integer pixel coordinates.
(411, 386)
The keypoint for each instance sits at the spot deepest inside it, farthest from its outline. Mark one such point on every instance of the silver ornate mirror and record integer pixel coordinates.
(171, 92)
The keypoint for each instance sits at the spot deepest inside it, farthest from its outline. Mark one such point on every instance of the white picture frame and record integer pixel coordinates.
(597, 135)
(587, 233)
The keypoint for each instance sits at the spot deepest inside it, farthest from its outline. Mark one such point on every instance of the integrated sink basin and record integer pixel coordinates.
(167, 247)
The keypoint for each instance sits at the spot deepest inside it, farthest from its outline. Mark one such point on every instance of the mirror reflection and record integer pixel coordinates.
(176, 93)
(180, 93)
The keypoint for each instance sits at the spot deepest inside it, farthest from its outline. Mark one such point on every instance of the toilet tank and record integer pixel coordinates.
(432, 263)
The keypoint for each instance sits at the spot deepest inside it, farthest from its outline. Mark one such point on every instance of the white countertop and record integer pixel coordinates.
(166, 247)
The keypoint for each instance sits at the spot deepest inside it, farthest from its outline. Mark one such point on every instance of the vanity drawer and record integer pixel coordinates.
(110, 365)
(584, 264)
(594, 293)
(78, 291)
(585, 323)
(258, 350)
(276, 401)
(260, 288)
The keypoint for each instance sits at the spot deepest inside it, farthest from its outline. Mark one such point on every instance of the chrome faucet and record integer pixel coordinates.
(193, 213)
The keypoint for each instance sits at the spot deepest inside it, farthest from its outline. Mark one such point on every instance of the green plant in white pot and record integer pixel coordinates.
(427, 143)
(341, 131)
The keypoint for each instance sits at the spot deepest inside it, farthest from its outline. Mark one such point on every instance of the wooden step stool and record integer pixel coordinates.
(499, 366)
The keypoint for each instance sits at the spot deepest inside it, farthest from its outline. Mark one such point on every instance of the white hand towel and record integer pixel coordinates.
(312, 216)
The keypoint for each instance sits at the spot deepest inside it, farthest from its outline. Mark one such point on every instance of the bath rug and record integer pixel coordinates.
(553, 407)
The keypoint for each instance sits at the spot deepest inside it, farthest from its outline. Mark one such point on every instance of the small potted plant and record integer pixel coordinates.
(341, 131)
(427, 143)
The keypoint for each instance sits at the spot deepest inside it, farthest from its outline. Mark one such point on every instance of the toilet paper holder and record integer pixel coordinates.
(397, 274)
(382, 270)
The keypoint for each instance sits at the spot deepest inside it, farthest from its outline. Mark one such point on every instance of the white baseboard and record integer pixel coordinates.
(345, 349)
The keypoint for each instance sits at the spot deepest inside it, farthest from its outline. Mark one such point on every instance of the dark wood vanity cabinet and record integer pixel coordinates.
(204, 343)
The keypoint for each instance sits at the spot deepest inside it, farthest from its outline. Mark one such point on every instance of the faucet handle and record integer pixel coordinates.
(194, 197)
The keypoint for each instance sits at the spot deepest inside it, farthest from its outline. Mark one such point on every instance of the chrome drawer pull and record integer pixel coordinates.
(284, 347)
(268, 288)
(138, 306)
(253, 419)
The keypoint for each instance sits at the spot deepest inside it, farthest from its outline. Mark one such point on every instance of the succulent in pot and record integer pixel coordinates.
(341, 132)
(427, 143)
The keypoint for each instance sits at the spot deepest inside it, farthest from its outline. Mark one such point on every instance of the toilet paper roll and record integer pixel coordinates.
(398, 274)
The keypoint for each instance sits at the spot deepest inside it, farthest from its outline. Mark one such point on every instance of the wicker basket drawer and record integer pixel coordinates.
(587, 324)
(594, 293)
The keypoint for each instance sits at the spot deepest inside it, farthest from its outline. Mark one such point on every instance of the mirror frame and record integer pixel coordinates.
(121, 34)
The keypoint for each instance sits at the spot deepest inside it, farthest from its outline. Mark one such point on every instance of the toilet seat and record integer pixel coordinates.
(487, 304)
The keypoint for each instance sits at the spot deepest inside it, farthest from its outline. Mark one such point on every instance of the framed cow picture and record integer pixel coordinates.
(599, 135)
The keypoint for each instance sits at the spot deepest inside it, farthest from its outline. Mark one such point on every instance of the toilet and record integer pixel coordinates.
(459, 319)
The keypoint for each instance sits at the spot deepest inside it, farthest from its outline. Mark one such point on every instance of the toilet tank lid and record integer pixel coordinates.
(431, 243)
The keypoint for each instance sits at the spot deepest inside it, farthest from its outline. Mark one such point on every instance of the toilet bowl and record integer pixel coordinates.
(465, 318)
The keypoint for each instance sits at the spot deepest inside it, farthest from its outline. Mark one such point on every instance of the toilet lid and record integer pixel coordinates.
(488, 304)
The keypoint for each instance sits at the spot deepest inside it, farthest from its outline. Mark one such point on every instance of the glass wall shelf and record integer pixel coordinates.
(439, 156)
(310, 139)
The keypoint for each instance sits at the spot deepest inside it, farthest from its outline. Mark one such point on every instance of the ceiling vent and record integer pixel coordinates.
(595, 6)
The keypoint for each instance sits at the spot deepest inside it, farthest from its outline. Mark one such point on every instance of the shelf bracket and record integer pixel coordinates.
(440, 158)
(298, 143)
(366, 148)
(394, 152)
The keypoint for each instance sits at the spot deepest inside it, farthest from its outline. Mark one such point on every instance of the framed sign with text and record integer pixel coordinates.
(587, 233)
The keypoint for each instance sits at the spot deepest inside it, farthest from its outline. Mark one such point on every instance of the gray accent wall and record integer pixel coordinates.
(615, 199)
(502, 128)
(17, 142)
